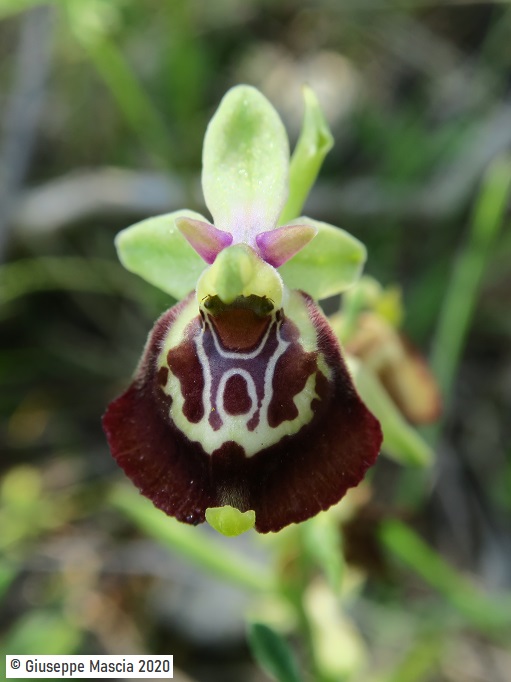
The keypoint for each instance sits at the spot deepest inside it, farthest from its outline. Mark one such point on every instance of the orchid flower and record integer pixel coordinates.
(242, 399)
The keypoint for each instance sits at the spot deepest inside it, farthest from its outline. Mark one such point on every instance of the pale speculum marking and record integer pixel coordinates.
(236, 394)
(238, 386)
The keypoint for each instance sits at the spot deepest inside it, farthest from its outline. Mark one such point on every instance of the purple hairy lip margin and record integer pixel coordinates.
(287, 482)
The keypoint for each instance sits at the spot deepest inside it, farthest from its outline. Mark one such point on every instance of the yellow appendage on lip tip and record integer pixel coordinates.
(230, 521)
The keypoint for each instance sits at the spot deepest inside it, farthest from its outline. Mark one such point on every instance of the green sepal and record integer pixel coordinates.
(245, 164)
(313, 145)
(328, 265)
(230, 521)
(155, 250)
(401, 441)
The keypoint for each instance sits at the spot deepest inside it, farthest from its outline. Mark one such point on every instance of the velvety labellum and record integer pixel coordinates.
(243, 404)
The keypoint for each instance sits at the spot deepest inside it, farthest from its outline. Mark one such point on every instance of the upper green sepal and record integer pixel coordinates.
(156, 250)
(245, 164)
(230, 521)
(328, 265)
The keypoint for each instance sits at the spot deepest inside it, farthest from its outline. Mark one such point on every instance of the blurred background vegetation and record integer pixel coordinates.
(103, 107)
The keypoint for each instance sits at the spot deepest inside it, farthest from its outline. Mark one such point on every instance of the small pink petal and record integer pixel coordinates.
(278, 246)
(205, 238)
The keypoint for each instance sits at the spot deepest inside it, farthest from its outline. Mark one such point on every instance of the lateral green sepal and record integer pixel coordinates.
(313, 145)
(155, 250)
(327, 265)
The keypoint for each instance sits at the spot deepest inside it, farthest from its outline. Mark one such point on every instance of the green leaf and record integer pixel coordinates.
(230, 521)
(313, 145)
(273, 653)
(400, 440)
(155, 250)
(245, 164)
(328, 265)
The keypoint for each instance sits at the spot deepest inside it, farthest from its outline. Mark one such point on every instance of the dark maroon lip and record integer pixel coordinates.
(286, 482)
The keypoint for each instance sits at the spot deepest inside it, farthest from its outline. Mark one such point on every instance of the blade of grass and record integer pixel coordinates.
(462, 292)
(486, 613)
(420, 661)
(191, 543)
(133, 102)
(68, 273)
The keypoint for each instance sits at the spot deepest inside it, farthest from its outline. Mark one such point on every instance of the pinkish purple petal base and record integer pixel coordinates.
(205, 238)
(279, 245)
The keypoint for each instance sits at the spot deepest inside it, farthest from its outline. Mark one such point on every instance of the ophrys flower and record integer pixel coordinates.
(242, 397)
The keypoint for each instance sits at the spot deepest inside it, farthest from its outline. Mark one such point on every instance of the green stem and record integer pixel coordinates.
(293, 589)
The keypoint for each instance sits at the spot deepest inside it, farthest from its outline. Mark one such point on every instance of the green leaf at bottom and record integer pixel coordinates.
(273, 653)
